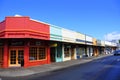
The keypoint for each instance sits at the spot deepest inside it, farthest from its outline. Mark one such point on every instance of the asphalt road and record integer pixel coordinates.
(107, 68)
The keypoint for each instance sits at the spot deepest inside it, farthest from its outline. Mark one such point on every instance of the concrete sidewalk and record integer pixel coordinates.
(19, 71)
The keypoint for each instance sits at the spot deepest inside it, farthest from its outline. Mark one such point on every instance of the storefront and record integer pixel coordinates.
(80, 45)
(56, 52)
(55, 43)
(89, 51)
(69, 51)
(24, 42)
(89, 45)
(95, 53)
(24, 52)
(68, 46)
(80, 51)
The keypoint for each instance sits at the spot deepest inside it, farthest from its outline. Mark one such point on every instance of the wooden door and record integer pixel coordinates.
(16, 55)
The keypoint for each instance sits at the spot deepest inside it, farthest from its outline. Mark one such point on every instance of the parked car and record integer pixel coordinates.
(116, 53)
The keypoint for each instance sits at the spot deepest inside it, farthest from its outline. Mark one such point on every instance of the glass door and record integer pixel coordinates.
(20, 56)
(16, 55)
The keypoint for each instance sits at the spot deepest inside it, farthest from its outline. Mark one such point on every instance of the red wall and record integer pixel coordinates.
(2, 28)
(2, 25)
(41, 30)
(41, 62)
(14, 23)
(39, 27)
(24, 27)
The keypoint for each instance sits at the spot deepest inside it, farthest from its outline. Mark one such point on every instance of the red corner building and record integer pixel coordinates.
(23, 42)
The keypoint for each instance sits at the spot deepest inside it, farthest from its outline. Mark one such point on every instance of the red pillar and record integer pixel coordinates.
(48, 55)
(5, 55)
(26, 54)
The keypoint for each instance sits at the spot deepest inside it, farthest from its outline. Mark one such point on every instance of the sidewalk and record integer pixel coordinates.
(14, 72)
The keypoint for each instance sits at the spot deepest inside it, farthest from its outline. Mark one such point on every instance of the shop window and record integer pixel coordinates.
(66, 52)
(41, 53)
(78, 52)
(37, 53)
(33, 53)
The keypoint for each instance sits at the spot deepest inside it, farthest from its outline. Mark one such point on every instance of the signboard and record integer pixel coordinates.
(36, 43)
(16, 43)
(68, 35)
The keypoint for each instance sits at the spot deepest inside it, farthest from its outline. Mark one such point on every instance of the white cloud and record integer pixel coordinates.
(112, 36)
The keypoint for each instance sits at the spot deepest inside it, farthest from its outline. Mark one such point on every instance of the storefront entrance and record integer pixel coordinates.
(72, 53)
(15, 57)
(52, 54)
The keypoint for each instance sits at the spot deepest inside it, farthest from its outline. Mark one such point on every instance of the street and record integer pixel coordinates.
(107, 68)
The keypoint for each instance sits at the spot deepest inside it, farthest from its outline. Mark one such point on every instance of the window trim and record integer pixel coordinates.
(38, 54)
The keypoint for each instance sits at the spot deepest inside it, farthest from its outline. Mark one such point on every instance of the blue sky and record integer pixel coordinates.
(97, 18)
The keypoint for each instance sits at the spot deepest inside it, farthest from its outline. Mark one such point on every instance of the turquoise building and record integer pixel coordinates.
(55, 44)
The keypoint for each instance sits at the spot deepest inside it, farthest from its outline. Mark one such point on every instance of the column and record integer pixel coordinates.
(5, 55)
(26, 54)
(48, 55)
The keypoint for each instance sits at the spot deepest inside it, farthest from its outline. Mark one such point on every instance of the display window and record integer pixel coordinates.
(37, 53)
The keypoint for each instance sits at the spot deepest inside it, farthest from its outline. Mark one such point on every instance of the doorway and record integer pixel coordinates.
(52, 54)
(15, 58)
(72, 53)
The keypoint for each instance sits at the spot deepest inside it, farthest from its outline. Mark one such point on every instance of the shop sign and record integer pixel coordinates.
(53, 45)
(36, 43)
(16, 43)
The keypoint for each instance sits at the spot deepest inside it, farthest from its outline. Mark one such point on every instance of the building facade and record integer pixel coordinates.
(27, 42)
(24, 39)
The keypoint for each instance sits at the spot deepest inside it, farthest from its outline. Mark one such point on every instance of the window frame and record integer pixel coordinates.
(66, 52)
(38, 53)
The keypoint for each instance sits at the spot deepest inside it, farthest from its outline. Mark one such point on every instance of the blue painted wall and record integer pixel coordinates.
(55, 33)
(59, 53)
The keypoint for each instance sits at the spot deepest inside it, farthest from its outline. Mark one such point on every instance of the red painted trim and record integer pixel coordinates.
(24, 34)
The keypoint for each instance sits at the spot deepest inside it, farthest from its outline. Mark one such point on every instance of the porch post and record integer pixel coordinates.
(48, 55)
(63, 56)
(26, 54)
(5, 55)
